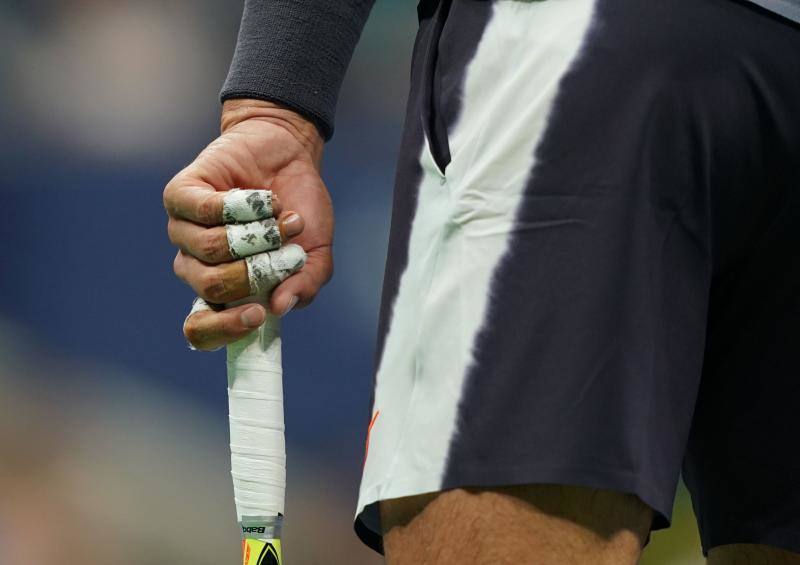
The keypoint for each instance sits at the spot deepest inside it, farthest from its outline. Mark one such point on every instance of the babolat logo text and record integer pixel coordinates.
(253, 529)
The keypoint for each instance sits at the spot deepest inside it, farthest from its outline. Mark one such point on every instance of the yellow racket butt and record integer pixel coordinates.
(261, 552)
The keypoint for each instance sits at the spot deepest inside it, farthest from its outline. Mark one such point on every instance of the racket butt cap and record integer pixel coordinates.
(261, 551)
(261, 540)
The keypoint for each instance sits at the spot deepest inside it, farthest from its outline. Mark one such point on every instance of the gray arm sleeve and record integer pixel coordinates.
(295, 53)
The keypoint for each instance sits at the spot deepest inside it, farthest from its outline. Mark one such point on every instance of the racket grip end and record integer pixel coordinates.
(261, 540)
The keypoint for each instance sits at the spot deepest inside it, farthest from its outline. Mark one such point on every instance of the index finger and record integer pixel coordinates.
(207, 206)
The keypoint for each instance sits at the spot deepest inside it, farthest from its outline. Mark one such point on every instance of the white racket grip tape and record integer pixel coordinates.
(255, 398)
(255, 402)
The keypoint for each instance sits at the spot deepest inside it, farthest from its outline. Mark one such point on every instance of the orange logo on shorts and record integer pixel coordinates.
(369, 431)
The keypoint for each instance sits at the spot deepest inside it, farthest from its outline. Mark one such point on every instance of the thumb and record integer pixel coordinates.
(208, 330)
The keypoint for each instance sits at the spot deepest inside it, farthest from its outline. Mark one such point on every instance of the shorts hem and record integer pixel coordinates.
(368, 530)
(788, 540)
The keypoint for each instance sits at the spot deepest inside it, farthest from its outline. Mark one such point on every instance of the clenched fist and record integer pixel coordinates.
(262, 146)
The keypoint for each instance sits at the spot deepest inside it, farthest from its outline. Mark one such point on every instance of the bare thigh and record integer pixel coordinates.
(531, 524)
(751, 554)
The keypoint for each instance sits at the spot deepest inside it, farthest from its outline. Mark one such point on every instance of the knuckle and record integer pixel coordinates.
(211, 247)
(167, 195)
(192, 332)
(165, 200)
(205, 210)
(171, 228)
(198, 338)
(213, 287)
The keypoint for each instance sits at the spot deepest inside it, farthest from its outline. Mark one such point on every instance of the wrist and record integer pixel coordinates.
(236, 111)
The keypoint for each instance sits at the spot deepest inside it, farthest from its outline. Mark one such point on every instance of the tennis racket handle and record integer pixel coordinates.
(255, 401)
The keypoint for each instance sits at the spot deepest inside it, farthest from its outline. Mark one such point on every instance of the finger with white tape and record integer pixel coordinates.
(247, 205)
(266, 270)
(253, 237)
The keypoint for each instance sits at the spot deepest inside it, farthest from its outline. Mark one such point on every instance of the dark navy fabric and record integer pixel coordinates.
(786, 8)
(296, 52)
(665, 330)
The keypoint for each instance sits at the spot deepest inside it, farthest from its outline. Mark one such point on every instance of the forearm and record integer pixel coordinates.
(295, 53)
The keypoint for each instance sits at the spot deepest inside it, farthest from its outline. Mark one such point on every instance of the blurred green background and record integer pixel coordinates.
(113, 445)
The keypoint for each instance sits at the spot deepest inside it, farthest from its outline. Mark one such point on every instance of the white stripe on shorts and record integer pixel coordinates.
(460, 231)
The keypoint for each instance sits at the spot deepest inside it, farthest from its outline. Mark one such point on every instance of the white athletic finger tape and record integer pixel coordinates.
(266, 270)
(253, 237)
(246, 205)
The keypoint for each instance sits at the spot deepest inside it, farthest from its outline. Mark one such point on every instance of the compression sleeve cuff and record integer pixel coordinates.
(295, 53)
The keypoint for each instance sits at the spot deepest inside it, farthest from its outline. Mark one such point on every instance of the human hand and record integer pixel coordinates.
(262, 146)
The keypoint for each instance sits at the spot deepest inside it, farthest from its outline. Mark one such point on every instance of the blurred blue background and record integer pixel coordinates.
(113, 433)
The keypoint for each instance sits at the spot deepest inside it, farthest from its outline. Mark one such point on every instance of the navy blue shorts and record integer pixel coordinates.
(594, 264)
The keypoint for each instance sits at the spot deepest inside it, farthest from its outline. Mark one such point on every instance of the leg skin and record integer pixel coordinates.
(531, 524)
